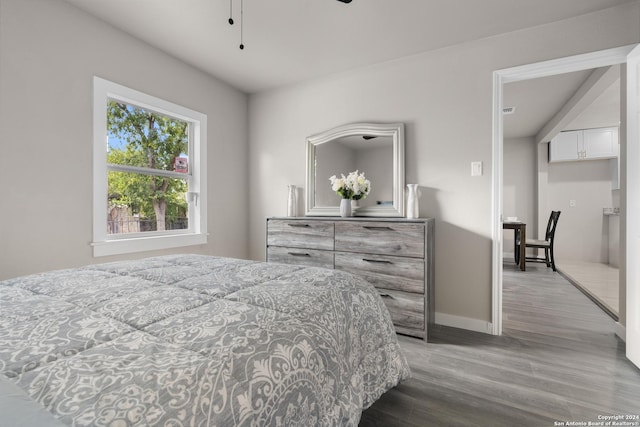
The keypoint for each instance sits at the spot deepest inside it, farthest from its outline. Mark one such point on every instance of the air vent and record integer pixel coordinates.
(508, 110)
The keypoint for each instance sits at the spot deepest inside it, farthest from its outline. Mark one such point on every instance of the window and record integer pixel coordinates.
(149, 179)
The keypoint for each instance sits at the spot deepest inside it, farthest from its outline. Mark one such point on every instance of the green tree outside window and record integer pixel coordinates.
(149, 142)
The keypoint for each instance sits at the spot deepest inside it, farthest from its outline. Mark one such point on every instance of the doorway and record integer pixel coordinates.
(545, 69)
(583, 186)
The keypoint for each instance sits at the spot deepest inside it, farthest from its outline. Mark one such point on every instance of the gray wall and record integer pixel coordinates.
(331, 159)
(445, 99)
(49, 52)
(583, 231)
(378, 167)
(519, 187)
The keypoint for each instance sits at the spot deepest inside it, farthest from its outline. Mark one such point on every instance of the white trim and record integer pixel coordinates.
(460, 322)
(585, 61)
(142, 244)
(393, 130)
(631, 213)
(148, 171)
(196, 234)
(496, 210)
(569, 64)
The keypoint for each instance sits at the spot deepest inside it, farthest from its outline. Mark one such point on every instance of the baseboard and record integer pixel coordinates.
(621, 331)
(476, 325)
(460, 322)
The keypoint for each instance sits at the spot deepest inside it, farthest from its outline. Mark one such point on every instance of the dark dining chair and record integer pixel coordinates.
(547, 243)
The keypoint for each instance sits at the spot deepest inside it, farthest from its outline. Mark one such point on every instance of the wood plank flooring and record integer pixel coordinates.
(558, 361)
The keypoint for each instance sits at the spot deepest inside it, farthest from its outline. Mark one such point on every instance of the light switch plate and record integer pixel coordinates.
(476, 168)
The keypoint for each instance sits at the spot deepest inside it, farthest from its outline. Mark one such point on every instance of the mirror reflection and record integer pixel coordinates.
(375, 149)
(370, 154)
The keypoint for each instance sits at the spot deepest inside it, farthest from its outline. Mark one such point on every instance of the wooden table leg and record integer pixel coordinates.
(523, 247)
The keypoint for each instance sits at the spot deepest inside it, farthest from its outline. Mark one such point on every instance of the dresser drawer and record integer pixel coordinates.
(308, 257)
(387, 238)
(387, 272)
(395, 255)
(406, 310)
(301, 234)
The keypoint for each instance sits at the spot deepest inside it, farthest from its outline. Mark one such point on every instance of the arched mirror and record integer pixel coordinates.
(372, 148)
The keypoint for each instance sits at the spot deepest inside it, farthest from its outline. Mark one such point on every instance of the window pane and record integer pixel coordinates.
(143, 138)
(139, 203)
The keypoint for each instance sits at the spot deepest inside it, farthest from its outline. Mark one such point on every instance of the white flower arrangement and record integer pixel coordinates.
(354, 186)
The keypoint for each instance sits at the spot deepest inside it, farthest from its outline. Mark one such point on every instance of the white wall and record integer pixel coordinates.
(341, 159)
(583, 231)
(377, 165)
(331, 159)
(49, 52)
(445, 99)
(519, 196)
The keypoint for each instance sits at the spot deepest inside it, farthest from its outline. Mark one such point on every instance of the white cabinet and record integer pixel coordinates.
(587, 144)
(600, 143)
(566, 146)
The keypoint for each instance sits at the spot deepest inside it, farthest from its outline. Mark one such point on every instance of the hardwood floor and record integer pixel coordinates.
(558, 361)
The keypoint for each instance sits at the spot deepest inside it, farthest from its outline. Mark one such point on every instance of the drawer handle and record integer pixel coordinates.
(377, 261)
(386, 296)
(371, 227)
(298, 225)
(298, 254)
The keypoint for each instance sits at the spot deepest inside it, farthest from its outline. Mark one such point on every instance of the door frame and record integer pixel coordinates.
(568, 64)
(632, 204)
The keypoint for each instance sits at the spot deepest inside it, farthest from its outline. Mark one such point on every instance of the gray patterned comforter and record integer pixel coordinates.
(189, 340)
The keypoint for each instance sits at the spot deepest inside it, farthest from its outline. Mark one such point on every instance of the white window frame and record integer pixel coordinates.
(196, 234)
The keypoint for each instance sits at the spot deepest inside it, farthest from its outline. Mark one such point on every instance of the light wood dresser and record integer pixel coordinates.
(395, 255)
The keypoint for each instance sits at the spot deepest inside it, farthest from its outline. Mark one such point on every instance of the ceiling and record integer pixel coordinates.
(604, 112)
(289, 41)
(537, 101)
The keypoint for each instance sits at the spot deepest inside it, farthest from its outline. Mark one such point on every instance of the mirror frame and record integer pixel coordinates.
(395, 131)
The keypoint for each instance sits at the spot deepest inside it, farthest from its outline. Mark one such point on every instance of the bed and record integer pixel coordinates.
(192, 340)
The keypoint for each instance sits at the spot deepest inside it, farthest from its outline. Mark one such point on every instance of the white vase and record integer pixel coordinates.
(345, 208)
(354, 207)
(412, 201)
(292, 202)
